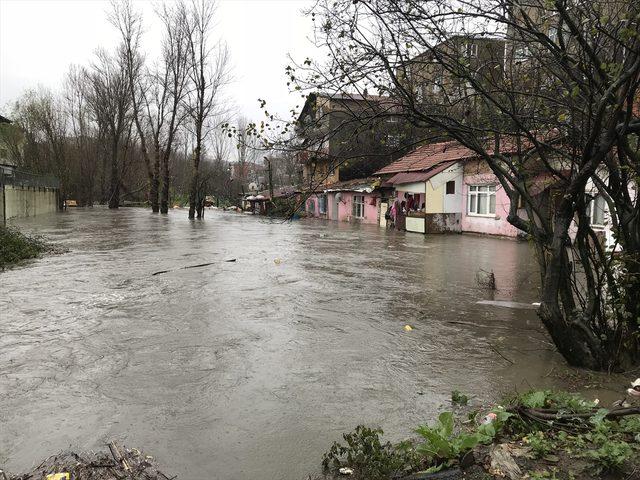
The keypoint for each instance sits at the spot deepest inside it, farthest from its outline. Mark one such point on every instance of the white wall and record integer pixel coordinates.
(28, 201)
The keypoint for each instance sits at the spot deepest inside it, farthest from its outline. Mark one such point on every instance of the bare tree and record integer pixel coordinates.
(247, 148)
(157, 93)
(173, 77)
(42, 118)
(84, 134)
(208, 72)
(560, 100)
(110, 101)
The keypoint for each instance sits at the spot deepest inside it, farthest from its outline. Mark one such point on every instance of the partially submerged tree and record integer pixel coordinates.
(558, 104)
(156, 94)
(41, 118)
(110, 101)
(208, 72)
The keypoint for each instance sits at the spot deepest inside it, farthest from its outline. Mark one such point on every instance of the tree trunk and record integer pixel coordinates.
(114, 184)
(195, 181)
(567, 326)
(154, 191)
(164, 197)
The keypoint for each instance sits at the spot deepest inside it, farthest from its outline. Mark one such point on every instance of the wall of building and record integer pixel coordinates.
(443, 222)
(477, 173)
(22, 201)
(313, 204)
(345, 207)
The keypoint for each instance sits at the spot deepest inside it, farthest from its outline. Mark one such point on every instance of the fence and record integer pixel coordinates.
(24, 179)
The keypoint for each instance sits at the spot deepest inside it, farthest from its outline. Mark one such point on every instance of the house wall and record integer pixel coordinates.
(312, 206)
(478, 173)
(22, 201)
(434, 198)
(443, 222)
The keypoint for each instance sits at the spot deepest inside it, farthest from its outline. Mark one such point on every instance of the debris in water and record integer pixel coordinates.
(489, 418)
(200, 265)
(408, 328)
(507, 304)
(635, 388)
(115, 464)
(486, 279)
(536, 304)
(346, 471)
(58, 476)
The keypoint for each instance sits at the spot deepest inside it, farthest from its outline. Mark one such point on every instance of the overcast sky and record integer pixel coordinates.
(39, 39)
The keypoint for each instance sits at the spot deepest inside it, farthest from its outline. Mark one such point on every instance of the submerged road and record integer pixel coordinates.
(250, 369)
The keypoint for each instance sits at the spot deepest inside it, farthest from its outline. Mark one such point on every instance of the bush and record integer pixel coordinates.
(368, 456)
(15, 247)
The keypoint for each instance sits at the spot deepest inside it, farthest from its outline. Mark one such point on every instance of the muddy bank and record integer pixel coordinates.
(252, 368)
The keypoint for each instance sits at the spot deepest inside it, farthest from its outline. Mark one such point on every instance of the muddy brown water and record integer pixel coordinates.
(250, 369)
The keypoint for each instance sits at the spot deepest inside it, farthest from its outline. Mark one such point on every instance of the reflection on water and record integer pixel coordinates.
(246, 369)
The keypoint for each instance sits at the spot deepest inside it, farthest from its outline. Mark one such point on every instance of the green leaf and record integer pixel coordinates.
(534, 399)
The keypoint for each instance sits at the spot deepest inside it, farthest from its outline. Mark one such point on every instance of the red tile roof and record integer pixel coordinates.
(428, 156)
(412, 177)
(355, 185)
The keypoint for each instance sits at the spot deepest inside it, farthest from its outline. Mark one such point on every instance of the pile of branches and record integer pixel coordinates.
(569, 421)
(119, 463)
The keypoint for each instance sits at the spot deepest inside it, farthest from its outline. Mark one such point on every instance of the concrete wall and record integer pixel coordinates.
(22, 201)
(443, 222)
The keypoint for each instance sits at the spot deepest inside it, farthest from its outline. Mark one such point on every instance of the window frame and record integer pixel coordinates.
(322, 204)
(446, 187)
(358, 204)
(471, 193)
(593, 201)
(472, 49)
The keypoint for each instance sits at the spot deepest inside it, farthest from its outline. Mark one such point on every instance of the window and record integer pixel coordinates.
(322, 204)
(393, 140)
(451, 187)
(521, 54)
(437, 83)
(595, 211)
(553, 33)
(472, 50)
(482, 200)
(358, 206)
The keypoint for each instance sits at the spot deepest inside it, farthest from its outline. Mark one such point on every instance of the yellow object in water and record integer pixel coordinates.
(408, 328)
(58, 476)
(277, 261)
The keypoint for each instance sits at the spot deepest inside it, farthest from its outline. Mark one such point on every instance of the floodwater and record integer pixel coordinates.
(250, 369)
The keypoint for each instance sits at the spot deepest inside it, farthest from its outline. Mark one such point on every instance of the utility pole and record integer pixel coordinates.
(268, 160)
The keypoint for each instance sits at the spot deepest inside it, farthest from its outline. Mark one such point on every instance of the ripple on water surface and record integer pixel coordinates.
(251, 368)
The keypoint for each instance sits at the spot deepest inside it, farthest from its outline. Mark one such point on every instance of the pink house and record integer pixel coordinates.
(347, 201)
(485, 203)
(459, 191)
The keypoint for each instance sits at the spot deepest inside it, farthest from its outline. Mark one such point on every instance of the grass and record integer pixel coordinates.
(16, 247)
